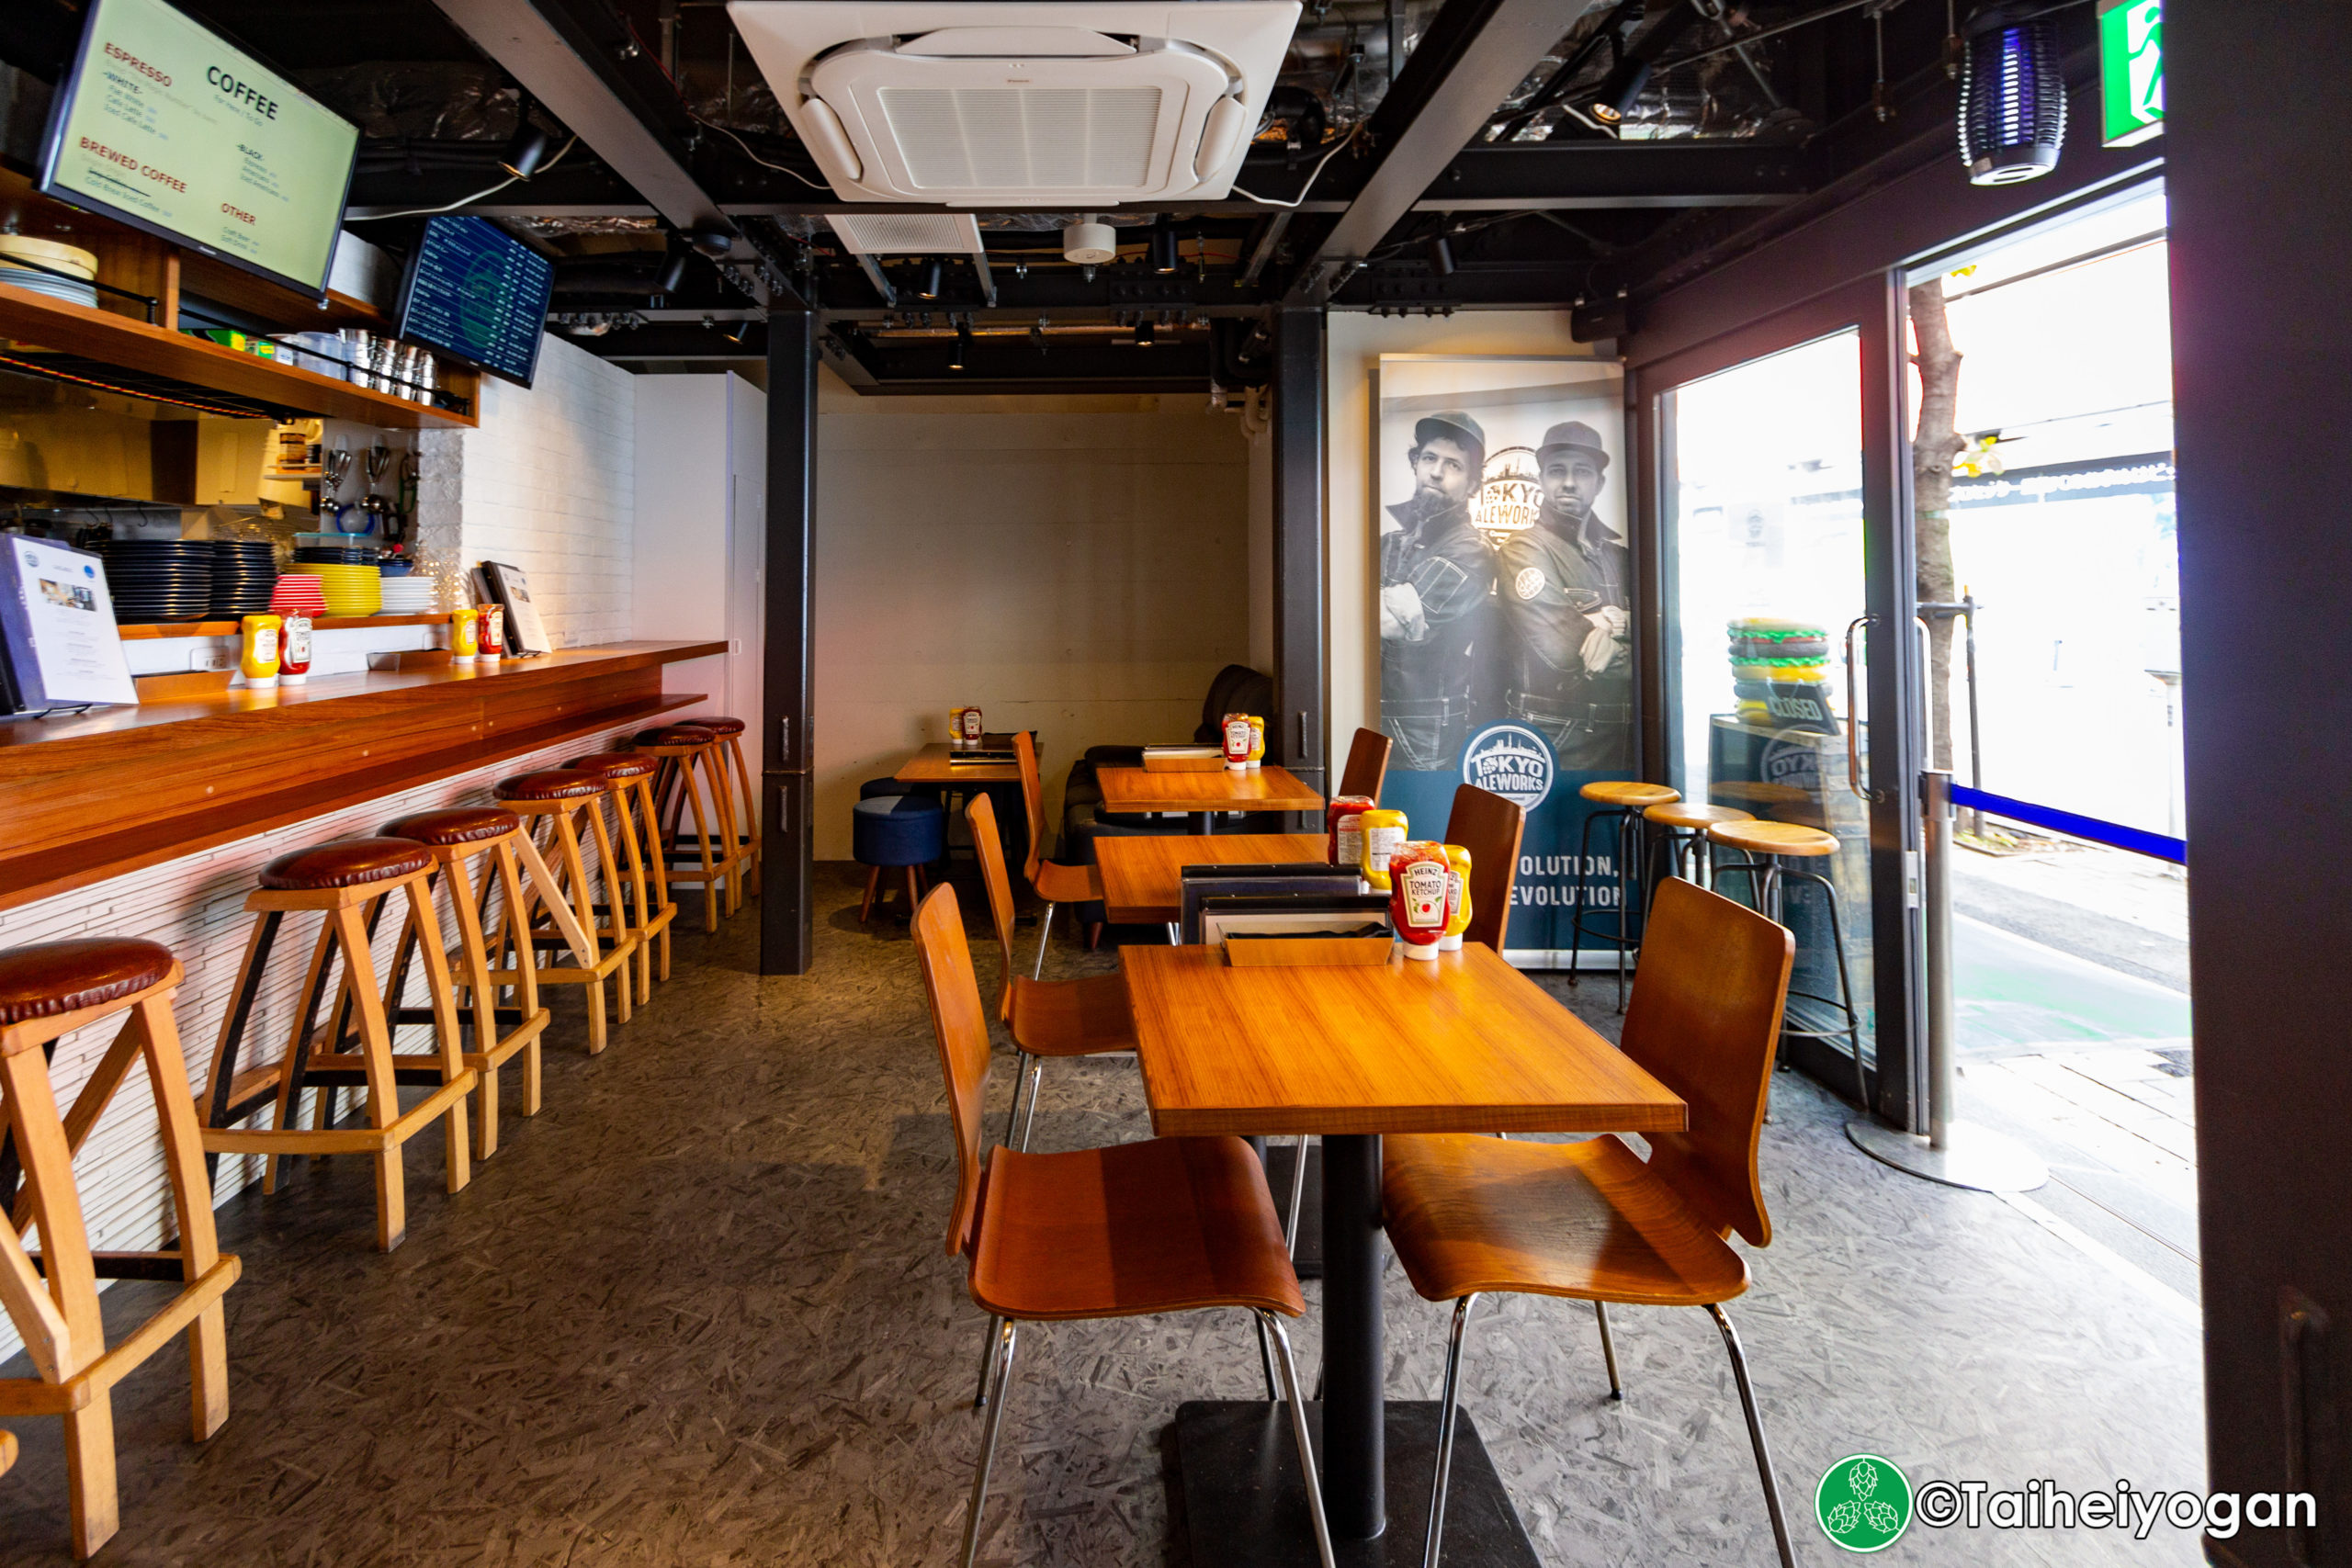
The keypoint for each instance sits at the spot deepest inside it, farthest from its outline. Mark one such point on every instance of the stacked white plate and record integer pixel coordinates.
(409, 595)
(75, 290)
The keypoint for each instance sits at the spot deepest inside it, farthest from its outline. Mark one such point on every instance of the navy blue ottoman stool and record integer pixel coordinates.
(904, 830)
(873, 788)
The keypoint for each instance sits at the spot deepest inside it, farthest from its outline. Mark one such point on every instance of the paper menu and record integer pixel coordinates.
(57, 620)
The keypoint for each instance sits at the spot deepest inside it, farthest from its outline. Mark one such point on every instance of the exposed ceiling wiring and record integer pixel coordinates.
(463, 200)
(755, 158)
(1312, 176)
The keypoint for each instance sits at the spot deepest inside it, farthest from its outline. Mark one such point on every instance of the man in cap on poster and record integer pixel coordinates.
(1436, 578)
(1566, 597)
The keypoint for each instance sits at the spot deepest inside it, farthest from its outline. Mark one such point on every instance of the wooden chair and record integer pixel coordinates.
(1490, 827)
(601, 947)
(1055, 883)
(348, 880)
(1592, 1222)
(52, 1296)
(457, 836)
(647, 912)
(1367, 768)
(1167, 1224)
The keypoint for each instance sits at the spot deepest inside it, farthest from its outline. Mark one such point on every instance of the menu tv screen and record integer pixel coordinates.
(163, 125)
(476, 293)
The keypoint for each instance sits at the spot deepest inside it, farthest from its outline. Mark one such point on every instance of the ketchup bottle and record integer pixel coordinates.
(1420, 896)
(1236, 740)
(1341, 820)
(294, 652)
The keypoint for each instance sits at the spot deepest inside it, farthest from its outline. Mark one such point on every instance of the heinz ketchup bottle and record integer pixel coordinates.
(1420, 896)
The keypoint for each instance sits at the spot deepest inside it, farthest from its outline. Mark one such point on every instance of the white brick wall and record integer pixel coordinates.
(195, 907)
(547, 483)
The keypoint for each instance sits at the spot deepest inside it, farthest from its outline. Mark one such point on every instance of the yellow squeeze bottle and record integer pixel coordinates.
(1459, 921)
(1383, 830)
(258, 658)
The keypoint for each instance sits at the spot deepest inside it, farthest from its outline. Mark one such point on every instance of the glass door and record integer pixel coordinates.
(1780, 572)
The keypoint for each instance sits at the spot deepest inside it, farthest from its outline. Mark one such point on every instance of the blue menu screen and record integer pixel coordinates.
(476, 293)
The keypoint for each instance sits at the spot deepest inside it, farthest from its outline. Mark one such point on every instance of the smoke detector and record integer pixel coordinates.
(974, 102)
(1089, 243)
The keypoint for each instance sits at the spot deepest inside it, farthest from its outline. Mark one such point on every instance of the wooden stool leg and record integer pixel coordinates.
(872, 886)
(426, 922)
(383, 1097)
(750, 808)
(722, 795)
(660, 866)
(567, 833)
(702, 838)
(297, 1044)
(622, 796)
(914, 895)
(618, 916)
(207, 1337)
(527, 987)
(73, 1291)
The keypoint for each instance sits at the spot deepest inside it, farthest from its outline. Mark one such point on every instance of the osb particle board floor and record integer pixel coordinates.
(698, 1312)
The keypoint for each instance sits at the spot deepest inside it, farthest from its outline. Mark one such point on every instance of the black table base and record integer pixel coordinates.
(1238, 1487)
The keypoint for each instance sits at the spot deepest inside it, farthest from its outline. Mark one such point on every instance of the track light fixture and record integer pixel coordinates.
(1614, 100)
(963, 354)
(931, 280)
(2012, 99)
(527, 148)
(1163, 249)
(1143, 331)
(673, 268)
(1441, 255)
(1037, 337)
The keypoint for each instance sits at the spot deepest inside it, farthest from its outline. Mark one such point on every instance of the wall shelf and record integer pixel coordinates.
(140, 631)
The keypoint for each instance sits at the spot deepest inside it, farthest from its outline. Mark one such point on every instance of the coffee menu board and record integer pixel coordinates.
(166, 127)
(476, 294)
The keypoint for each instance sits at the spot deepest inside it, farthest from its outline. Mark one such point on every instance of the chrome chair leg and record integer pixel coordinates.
(1449, 1402)
(1012, 1112)
(1005, 1334)
(1268, 1320)
(1608, 1349)
(1756, 1434)
(1266, 1360)
(988, 1363)
(1045, 929)
(1029, 1117)
(1297, 1198)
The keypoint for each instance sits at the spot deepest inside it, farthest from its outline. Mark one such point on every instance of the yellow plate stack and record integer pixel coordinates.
(350, 589)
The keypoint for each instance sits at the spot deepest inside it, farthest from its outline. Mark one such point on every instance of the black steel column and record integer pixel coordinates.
(1355, 1435)
(786, 892)
(1297, 726)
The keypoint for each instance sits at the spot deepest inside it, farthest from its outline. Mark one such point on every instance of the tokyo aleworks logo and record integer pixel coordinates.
(1510, 761)
(1863, 1503)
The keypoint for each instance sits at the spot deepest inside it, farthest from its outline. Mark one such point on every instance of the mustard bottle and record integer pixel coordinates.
(465, 635)
(1457, 918)
(258, 658)
(1256, 741)
(1383, 830)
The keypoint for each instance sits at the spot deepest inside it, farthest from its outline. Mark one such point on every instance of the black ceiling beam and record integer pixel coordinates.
(1565, 176)
(579, 60)
(1474, 53)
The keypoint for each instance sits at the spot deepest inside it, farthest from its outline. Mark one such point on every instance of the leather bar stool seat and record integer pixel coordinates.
(675, 735)
(457, 825)
(1775, 839)
(718, 726)
(615, 765)
(1630, 791)
(66, 976)
(345, 862)
(550, 783)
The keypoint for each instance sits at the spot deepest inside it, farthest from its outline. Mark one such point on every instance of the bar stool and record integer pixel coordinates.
(455, 837)
(347, 881)
(1622, 803)
(683, 749)
(1681, 829)
(1766, 845)
(742, 797)
(629, 776)
(52, 1297)
(600, 952)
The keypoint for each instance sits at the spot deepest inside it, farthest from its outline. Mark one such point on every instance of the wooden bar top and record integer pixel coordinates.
(1143, 876)
(91, 795)
(1258, 789)
(1464, 1044)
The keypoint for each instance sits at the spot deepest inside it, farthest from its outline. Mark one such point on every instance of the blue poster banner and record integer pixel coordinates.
(1506, 612)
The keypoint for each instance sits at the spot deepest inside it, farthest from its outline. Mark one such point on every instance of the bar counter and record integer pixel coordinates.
(91, 796)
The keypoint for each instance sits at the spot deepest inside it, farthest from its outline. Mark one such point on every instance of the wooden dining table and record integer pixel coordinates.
(1464, 1044)
(1201, 796)
(936, 764)
(1143, 877)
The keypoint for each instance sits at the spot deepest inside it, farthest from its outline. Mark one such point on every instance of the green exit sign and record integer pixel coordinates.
(2131, 70)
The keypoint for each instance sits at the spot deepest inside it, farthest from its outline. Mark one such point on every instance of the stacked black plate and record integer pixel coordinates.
(245, 571)
(158, 580)
(332, 554)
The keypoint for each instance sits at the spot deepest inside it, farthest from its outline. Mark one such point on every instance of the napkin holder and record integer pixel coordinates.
(1182, 759)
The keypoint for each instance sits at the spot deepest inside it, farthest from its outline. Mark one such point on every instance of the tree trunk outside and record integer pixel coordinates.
(1933, 444)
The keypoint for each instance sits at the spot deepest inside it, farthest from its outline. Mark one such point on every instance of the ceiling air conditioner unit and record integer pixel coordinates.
(974, 103)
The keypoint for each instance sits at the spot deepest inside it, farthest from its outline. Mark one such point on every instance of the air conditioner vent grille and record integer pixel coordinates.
(1023, 137)
(912, 233)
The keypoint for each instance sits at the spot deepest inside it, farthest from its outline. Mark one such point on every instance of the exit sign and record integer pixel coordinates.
(2131, 70)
